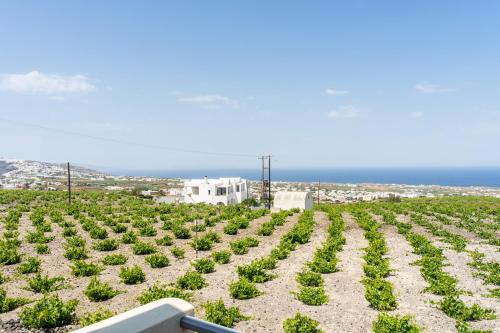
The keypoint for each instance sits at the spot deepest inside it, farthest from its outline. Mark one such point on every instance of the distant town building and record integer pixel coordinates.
(289, 200)
(222, 191)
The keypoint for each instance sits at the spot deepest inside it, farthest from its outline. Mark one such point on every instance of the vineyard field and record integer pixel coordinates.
(417, 265)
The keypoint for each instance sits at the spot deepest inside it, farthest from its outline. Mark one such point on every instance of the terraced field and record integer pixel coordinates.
(422, 265)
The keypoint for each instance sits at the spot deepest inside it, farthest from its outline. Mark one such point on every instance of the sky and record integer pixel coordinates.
(213, 84)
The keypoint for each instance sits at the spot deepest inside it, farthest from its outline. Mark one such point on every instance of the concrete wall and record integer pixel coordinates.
(156, 317)
(289, 200)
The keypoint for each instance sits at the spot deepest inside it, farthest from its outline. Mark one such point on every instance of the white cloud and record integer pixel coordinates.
(429, 88)
(38, 83)
(417, 114)
(345, 112)
(335, 92)
(209, 101)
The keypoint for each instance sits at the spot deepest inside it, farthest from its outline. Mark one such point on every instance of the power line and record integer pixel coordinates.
(123, 142)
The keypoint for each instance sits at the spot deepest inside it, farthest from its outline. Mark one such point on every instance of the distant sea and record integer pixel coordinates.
(480, 176)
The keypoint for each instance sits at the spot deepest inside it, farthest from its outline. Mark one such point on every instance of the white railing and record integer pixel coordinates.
(168, 315)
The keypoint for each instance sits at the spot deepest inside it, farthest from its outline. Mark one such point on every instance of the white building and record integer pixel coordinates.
(224, 191)
(289, 200)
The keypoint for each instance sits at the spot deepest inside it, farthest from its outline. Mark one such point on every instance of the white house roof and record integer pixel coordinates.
(218, 182)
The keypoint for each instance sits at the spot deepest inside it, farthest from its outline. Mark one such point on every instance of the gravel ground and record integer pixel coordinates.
(278, 303)
(347, 310)
(457, 267)
(409, 285)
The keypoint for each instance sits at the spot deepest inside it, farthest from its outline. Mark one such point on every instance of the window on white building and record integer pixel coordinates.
(195, 190)
(208, 192)
(221, 191)
(237, 188)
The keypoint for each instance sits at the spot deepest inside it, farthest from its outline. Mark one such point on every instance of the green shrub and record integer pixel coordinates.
(38, 237)
(266, 262)
(98, 233)
(493, 293)
(90, 318)
(456, 308)
(49, 312)
(148, 231)
(157, 292)
(255, 272)
(380, 269)
(69, 231)
(75, 253)
(181, 232)
(221, 257)
(98, 291)
(119, 228)
(164, 241)
(106, 245)
(191, 280)
(129, 237)
(281, 252)
(42, 249)
(200, 227)
(81, 268)
(8, 304)
(132, 275)
(114, 259)
(266, 229)
(238, 247)
(250, 241)
(243, 289)
(312, 295)
(231, 228)
(202, 244)
(309, 279)
(141, 248)
(386, 323)
(204, 265)
(177, 252)
(216, 312)
(213, 237)
(44, 284)
(241, 246)
(378, 292)
(9, 254)
(75, 241)
(157, 260)
(31, 265)
(301, 324)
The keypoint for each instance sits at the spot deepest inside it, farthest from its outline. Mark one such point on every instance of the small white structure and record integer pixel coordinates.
(160, 316)
(289, 200)
(225, 191)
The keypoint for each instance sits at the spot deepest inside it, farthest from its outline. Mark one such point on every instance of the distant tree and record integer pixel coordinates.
(138, 189)
(393, 198)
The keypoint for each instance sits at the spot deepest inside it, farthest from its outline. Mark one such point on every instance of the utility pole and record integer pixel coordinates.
(319, 185)
(69, 186)
(196, 237)
(266, 180)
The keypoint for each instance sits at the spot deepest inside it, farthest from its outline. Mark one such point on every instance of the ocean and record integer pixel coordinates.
(479, 176)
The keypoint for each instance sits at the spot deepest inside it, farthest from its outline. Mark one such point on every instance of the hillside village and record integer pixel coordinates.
(51, 176)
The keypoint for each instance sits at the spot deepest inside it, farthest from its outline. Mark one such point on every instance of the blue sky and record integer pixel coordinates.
(317, 84)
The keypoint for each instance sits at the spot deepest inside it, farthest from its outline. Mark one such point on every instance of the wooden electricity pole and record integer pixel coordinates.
(69, 186)
(319, 185)
(266, 180)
